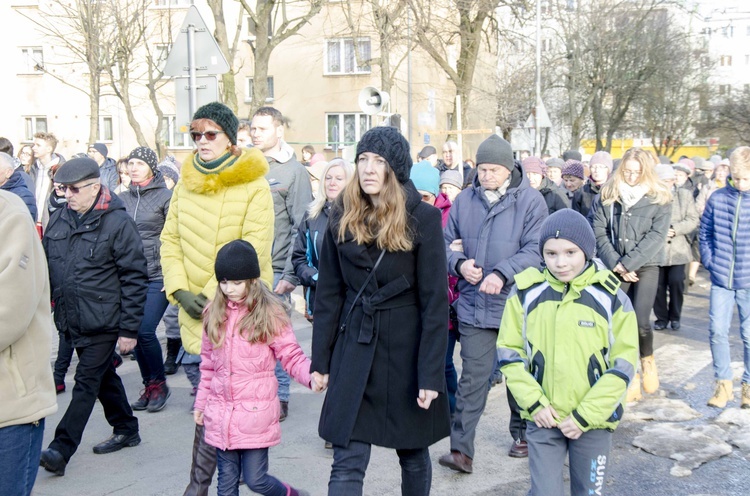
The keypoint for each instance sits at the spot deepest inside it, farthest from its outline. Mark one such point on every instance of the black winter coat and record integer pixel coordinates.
(16, 184)
(554, 197)
(584, 198)
(395, 339)
(306, 252)
(148, 206)
(97, 271)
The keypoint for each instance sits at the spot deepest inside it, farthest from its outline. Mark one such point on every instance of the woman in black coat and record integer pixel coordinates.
(382, 354)
(147, 202)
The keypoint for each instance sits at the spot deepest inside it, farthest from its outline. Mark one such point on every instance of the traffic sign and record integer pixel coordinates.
(208, 56)
(206, 91)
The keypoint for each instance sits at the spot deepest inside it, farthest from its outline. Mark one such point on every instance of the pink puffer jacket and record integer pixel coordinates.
(237, 392)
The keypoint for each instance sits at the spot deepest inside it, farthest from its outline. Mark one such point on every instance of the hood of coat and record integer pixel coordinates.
(442, 202)
(284, 154)
(248, 167)
(14, 181)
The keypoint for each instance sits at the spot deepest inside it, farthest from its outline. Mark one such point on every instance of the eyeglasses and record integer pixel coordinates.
(73, 189)
(210, 135)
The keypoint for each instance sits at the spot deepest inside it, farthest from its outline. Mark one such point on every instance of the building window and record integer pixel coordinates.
(341, 59)
(173, 3)
(726, 60)
(105, 129)
(725, 89)
(727, 31)
(249, 89)
(171, 135)
(545, 7)
(546, 44)
(32, 60)
(345, 129)
(33, 124)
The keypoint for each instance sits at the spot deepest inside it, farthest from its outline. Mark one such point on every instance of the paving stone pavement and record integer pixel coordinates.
(160, 464)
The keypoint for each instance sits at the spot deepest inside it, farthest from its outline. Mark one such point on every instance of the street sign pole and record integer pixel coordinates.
(191, 70)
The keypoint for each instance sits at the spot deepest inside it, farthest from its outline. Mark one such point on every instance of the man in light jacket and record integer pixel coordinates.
(27, 391)
(492, 234)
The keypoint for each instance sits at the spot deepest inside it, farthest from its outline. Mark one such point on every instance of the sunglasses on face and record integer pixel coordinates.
(73, 189)
(210, 135)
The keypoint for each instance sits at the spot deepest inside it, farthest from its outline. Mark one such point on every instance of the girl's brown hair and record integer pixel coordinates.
(656, 190)
(266, 315)
(385, 223)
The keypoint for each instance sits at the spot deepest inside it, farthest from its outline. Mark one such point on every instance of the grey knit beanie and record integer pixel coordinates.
(569, 224)
(495, 150)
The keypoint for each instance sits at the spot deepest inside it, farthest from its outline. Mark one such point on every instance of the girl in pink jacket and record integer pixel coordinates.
(246, 331)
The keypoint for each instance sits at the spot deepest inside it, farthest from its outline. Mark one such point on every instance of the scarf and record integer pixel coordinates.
(494, 195)
(226, 160)
(630, 195)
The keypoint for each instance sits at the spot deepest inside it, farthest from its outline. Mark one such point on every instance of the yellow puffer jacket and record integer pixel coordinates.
(209, 208)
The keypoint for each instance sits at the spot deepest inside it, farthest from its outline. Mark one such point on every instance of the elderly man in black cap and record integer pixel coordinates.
(98, 282)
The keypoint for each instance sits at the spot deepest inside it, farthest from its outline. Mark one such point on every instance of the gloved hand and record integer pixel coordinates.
(192, 303)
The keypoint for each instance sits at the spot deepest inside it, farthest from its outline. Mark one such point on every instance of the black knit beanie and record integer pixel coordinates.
(237, 261)
(388, 142)
(147, 155)
(495, 150)
(221, 115)
(569, 224)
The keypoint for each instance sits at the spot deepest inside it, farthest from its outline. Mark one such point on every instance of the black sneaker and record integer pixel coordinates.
(284, 410)
(159, 394)
(142, 402)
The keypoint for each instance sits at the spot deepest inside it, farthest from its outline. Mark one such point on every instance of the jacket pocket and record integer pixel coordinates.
(98, 311)
(537, 367)
(254, 418)
(14, 372)
(95, 247)
(595, 369)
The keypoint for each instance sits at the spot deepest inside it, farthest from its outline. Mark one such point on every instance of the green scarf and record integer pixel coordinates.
(214, 166)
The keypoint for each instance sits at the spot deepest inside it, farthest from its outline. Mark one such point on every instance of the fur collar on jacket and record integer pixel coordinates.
(249, 166)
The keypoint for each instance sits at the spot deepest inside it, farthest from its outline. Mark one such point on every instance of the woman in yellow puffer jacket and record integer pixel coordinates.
(222, 195)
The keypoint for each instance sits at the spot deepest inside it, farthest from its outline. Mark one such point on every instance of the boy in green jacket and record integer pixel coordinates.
(568, 346)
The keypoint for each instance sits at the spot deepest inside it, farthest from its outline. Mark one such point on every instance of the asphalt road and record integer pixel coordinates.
(160, 464)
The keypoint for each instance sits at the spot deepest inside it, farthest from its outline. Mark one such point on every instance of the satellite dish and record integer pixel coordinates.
(372, 101)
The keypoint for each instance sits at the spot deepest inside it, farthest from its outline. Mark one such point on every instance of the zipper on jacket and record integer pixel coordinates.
(734, 238)
(138, 202)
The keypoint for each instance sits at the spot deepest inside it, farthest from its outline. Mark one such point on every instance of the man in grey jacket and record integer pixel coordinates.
(291, 191)
(492, 234)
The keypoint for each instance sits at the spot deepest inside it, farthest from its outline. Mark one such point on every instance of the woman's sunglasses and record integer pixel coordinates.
(210, 135)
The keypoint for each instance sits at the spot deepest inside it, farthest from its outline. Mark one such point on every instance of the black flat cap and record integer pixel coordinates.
(76, 170)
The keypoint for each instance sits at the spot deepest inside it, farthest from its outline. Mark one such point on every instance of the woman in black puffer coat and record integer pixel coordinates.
(147, 202)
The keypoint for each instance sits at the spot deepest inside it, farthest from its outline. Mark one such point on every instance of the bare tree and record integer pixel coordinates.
(228, 82)
(83, 31)
(441, 24)
(274, 21)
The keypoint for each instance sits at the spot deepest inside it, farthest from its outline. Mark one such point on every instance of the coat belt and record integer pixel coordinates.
(395, 294)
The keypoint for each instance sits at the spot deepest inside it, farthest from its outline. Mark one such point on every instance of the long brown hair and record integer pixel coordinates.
(266, 315)
(385, 223)
(656, 190)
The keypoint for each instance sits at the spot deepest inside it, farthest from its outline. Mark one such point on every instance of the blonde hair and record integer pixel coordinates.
(266, 315)
(385, 223)
(659, 193)
(316, 206)
(739, 161)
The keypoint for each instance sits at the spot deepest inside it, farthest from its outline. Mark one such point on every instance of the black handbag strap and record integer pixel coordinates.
(367, 281)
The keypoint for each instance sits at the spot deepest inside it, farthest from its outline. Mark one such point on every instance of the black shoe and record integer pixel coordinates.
(659, 325)
(173, 349)
(675, 325)
(284, 410)
(116, 442)
(53, 461)
(170, 365)
(142, 403)
(159, 394)
(116, 359)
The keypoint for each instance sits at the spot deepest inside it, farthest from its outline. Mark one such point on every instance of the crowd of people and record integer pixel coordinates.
(510, 257)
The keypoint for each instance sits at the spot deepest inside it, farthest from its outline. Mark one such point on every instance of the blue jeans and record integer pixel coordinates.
(148, 350)
(281, 376)
(721, 312)
(20, 450)
(350, 464)
(253, 464)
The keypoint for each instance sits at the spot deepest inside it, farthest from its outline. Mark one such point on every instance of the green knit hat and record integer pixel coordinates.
(221, 115)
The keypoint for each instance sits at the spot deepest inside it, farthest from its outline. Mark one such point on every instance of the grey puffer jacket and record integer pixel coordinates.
(148, 206)
(684, 222)
(636, 238)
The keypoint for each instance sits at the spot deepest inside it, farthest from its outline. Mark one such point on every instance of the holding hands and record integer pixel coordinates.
(319, 382)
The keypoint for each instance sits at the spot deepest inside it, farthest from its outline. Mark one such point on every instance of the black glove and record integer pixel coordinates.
(192, 303)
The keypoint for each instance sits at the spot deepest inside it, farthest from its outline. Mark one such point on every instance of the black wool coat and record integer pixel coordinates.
(395, 339)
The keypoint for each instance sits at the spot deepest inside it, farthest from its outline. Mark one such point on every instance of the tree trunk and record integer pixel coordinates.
(229, 88)
(95, 85)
